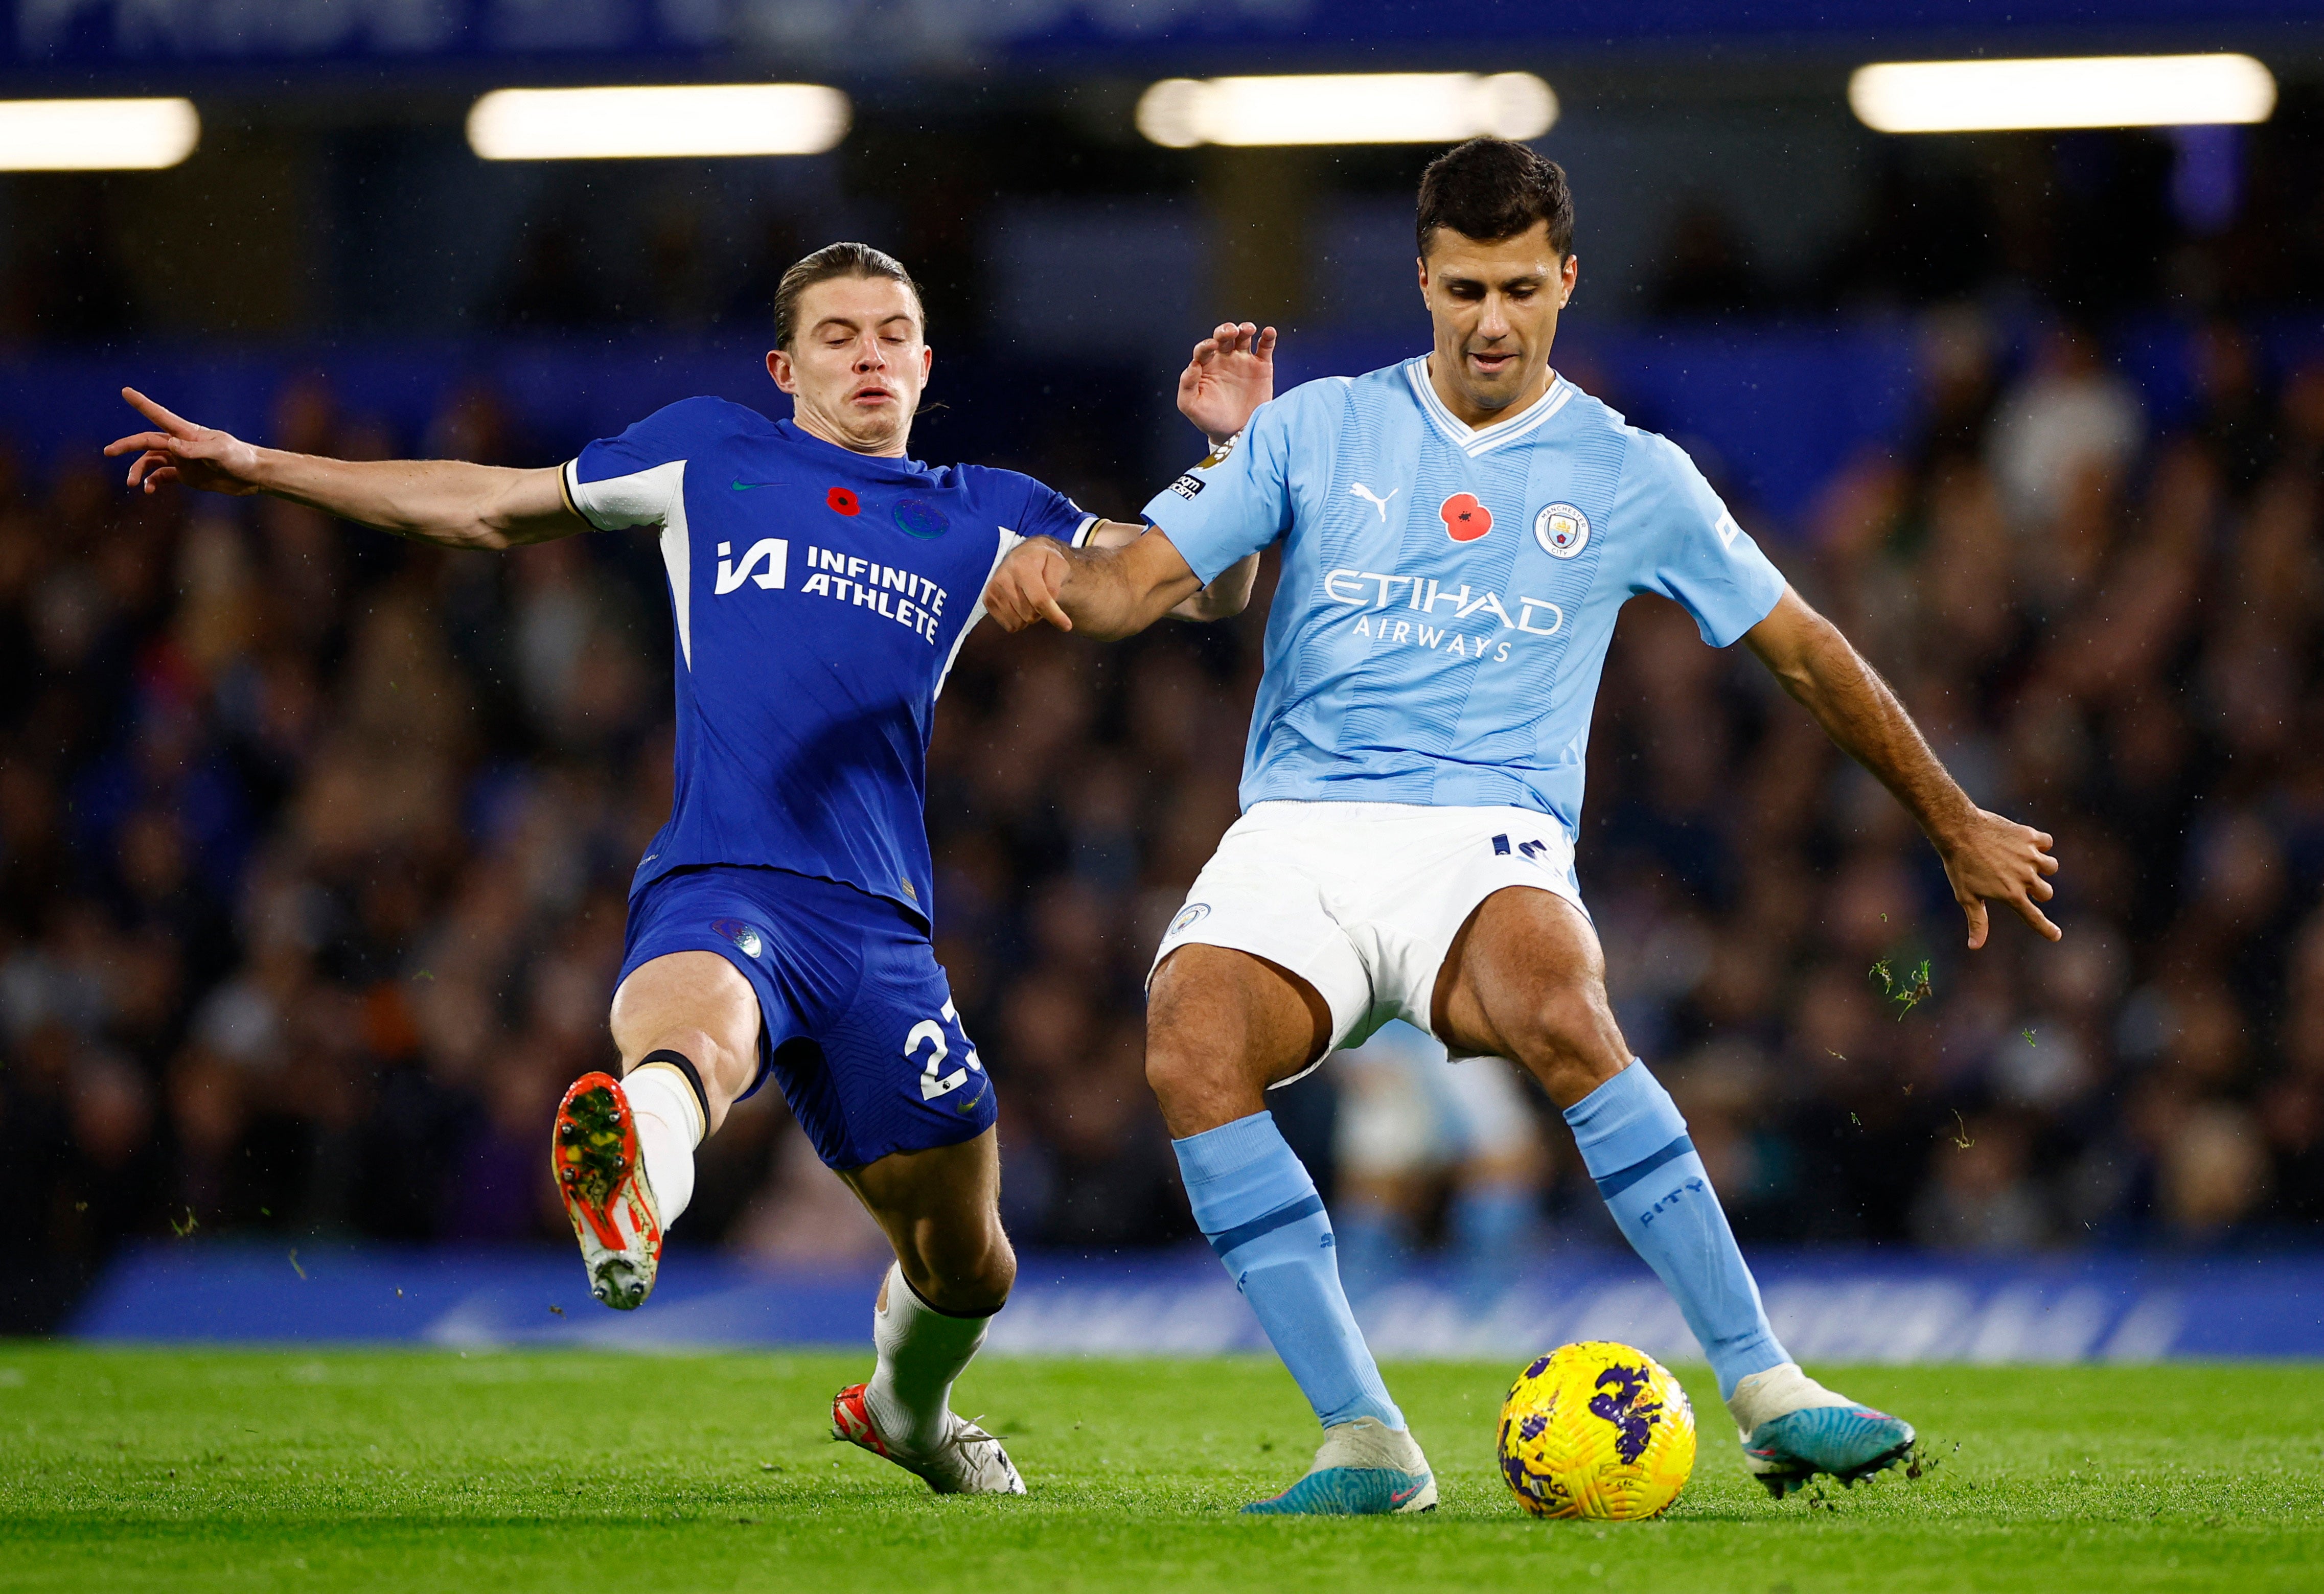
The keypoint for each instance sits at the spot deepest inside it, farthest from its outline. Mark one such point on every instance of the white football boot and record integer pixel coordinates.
(967, 1460)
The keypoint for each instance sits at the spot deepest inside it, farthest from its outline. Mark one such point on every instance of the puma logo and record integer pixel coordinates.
(1374, 499)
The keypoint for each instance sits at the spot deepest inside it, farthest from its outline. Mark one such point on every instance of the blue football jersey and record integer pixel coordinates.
(820, 597)
(1447, 594)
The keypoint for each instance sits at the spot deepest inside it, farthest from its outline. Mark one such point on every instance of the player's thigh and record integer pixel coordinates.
(1525, 980)
(696, 1003)
(941, 1210)
(1220, 1027)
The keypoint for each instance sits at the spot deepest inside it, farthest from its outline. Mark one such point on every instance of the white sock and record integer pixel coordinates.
(669, 1127)
(1779, 1391)
(1368, 1442)
(921, 1351)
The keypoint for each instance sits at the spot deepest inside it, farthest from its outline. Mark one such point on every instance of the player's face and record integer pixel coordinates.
(857, 363)
(1495, 307)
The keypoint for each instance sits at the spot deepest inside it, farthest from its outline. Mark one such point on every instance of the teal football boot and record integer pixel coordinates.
(1362, 1468)
(1794, 1428)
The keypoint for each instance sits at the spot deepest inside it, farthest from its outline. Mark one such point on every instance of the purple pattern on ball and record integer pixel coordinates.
(1628, 1407)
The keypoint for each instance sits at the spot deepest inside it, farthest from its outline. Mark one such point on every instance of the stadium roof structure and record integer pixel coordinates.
(158, 39)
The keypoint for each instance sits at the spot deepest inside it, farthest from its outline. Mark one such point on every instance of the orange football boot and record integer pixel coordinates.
(594, 1155)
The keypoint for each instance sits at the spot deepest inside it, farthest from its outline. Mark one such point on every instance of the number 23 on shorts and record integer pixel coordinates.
(929, 1036)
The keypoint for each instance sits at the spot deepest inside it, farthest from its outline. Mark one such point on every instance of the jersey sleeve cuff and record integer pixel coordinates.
(614, 504)
(564, 489)
(1716, 640)
(1085, 531)
(568, 483)
(1206, 567)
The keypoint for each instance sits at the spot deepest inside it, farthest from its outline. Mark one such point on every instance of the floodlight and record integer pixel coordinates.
(96, 134)
(2086, 91)
(1351, 109)
(639, 122)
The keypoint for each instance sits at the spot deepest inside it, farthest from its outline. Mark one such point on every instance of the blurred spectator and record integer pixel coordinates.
(2070, 422)
(1428, 1148)
(1982, 1197)
(2215, 1173)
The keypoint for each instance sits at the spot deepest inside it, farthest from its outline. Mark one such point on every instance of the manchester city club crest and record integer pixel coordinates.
(1193, 913)
(1562, 529)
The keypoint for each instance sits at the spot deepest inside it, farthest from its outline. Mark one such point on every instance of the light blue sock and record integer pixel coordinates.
(1633, 1140)
(1258, 1209)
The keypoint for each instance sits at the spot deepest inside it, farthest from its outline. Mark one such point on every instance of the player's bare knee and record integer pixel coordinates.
(725, 1074)
(1174, 1074)
(1199, 1090)
(1567, 1037)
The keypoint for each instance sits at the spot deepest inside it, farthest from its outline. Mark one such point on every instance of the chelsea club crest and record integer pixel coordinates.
(1562, 529)
(746, 938)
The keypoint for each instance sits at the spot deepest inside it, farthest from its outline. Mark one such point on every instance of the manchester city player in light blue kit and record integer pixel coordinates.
(821, 584)
(1458, 534)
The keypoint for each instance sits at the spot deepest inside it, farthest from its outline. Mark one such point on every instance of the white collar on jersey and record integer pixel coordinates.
(1483, 440)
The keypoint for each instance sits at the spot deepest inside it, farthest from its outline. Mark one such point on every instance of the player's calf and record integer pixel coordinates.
(903, 1412)
(922, 1350)
(940, 1208)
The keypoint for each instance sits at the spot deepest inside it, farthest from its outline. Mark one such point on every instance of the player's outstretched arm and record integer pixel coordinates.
(1224, 599)
(441, 501)
(1128, 576)
(1105, 593)
(1987, 858)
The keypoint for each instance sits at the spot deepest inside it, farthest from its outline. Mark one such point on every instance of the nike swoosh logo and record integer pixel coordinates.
(740, 485)
(1395, 1498)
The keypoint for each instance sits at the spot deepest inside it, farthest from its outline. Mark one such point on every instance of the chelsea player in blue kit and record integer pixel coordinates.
(1458, 534)
(821, 585)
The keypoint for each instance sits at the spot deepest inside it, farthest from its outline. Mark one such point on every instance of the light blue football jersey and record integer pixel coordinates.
(1447, 595)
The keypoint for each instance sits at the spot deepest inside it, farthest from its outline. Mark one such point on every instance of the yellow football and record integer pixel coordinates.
(1597, 1429)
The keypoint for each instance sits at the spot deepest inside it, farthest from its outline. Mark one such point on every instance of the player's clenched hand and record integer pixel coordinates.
(1231, 374)
(180, 451)
(1025, 588)
(1998, 860)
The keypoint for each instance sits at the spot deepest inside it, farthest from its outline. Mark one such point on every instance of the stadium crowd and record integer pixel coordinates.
(313, 848)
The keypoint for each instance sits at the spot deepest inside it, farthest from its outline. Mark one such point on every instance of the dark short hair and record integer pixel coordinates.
(1492, 189)
(833, 260)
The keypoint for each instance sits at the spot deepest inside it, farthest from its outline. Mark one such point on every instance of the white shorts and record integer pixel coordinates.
(1363, 899)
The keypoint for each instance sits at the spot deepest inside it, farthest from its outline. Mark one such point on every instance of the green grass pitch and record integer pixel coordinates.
(326, 1470)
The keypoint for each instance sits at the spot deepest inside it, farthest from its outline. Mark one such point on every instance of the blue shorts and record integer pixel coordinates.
(856, 1018)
